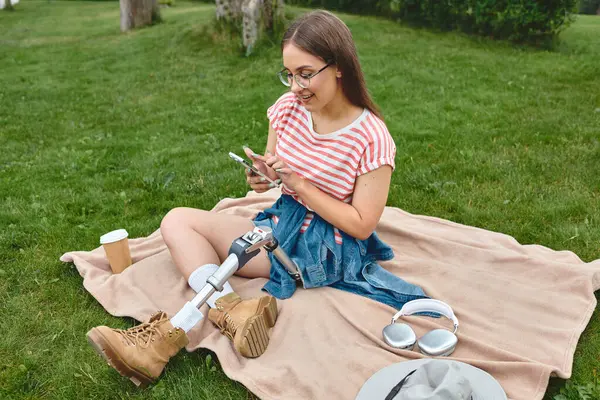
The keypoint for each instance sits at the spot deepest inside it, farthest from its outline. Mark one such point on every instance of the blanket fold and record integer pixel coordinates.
(521, 308)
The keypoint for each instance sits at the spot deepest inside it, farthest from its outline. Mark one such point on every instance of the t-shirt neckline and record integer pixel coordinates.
(352, 124)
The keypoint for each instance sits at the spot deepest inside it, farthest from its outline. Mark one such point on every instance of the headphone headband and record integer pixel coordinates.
(427, 305)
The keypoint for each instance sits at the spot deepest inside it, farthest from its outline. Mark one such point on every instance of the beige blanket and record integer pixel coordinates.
(521, 308)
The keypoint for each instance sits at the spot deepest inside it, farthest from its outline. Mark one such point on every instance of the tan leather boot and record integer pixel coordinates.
(139, 353)
(246, 322)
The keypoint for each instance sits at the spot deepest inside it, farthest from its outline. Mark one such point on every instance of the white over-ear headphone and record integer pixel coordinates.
(438, 342)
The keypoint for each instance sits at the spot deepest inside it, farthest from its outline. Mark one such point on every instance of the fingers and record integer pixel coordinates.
(256, 180)
(258, 157)
(275, 162)
(259, 180)
(278, 165)
(249, 152)
(283, 171)
(258, 161)
(262, 186)
(262, 163)
(271, 160)
(255, 156)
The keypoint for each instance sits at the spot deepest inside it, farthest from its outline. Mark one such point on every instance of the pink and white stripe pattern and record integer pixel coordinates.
(333, 161)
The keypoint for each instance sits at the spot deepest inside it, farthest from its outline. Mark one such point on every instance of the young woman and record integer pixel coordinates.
(330, 149)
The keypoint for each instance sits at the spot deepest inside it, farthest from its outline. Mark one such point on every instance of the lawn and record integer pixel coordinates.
(101, 130)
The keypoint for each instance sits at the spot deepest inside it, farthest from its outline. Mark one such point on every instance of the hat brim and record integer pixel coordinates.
(484, 386)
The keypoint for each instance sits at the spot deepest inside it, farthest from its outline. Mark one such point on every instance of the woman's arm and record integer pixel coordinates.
(255, 181)
(271, 142)
(359, 218)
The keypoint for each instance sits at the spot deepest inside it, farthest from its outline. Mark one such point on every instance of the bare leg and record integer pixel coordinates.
(197, 237)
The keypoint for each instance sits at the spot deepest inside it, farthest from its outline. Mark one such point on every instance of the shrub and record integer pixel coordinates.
(589, 7)
(516, 20)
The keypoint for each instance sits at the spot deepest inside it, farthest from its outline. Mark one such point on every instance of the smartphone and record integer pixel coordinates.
(246, 164)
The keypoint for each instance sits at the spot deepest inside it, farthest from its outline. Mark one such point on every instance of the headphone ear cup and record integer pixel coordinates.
(399, 336)
(438, 343)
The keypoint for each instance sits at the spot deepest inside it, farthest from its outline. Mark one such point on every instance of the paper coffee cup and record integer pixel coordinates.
(116, 246)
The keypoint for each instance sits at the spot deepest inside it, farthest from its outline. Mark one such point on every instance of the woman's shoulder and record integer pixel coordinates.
(372, 128)
(286, 100)
(287, 105)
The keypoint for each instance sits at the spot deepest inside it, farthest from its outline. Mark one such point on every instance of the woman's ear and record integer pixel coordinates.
(338, 73)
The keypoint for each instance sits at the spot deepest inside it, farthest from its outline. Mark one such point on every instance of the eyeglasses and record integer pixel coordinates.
(303, 80)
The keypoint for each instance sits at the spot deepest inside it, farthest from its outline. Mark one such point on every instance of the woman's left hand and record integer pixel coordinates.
(289, 178)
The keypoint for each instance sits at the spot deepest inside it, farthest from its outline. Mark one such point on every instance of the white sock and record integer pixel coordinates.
(187, 317)
(198, 278)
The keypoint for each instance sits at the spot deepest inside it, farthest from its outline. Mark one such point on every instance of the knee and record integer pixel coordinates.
(174, 222)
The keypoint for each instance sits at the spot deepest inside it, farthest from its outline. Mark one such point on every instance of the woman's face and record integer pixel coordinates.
(322, 88)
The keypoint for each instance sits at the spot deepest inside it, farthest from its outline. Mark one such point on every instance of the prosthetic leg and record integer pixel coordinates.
(245, 322)
(141, 353)
(242, 250)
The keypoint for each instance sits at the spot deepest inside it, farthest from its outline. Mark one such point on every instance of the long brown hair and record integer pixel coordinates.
(324, 35)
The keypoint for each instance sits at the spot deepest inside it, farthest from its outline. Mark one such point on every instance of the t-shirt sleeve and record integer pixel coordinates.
(279, 112)
(381, 150)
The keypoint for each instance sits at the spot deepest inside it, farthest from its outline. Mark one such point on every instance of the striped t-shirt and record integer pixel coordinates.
(332, 161)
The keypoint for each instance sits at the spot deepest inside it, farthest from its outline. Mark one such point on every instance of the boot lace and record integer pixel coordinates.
(227, 326)
(142, 334)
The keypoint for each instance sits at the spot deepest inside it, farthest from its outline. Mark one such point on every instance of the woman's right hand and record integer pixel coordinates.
(257, 182)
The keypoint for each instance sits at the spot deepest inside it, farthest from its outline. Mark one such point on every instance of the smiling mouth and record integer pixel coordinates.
(305, 98)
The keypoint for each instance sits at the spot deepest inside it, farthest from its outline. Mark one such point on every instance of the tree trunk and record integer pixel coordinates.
(229, 10)
(137, 13)
(268, 14)
(254, 16)
(273, 13)
(251, 21)
(8, 5)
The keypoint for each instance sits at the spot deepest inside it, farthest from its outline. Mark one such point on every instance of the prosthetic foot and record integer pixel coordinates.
(245, 322)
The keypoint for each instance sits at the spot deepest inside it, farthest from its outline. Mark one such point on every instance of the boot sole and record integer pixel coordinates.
(252, 338)
(108, 353)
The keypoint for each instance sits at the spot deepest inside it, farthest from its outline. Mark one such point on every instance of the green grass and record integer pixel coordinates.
(100, 129)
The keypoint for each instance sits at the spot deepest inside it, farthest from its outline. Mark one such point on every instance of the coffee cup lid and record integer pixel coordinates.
(113, 236)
